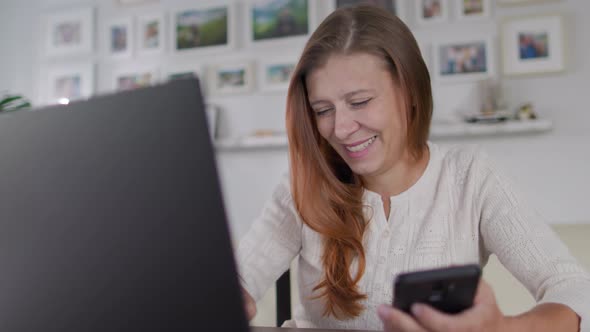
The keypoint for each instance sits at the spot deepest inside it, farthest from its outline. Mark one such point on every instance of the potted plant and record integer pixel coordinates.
(11, 102)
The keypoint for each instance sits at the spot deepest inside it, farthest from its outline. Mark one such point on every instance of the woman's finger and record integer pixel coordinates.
(249, 304)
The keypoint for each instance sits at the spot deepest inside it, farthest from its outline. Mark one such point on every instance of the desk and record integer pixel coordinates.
(279, 329)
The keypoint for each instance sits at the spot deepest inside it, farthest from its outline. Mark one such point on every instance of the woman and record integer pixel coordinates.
(369, 197)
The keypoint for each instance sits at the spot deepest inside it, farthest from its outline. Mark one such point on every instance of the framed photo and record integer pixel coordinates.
(131, 79)
(66, 83)
(431, 11)
(204, 27)
(275, 74)
(461, 61)
(119, 37)
(522, 2)
(396, 7)
(270, 20)
(473, 9)
(150, 34)
(231, 78)
(533, 45)
(69, 32)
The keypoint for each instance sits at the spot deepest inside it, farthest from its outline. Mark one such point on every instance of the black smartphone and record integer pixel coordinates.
(450, 289)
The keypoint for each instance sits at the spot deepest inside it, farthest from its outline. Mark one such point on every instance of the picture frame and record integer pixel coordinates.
(533, 45)
(118, 37)
(69, 32)
(207, 27)
(464, 60)
(274, 74)
(231, 78)
(396, 7)
(429, 12)
(128, 78)
(150, 33)
(270, 22)
(473, 9)
(67, 83)
(522, 2)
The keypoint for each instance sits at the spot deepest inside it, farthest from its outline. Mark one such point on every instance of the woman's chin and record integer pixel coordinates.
(363, 168)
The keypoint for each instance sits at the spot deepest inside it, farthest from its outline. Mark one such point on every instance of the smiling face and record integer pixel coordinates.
(360, 111)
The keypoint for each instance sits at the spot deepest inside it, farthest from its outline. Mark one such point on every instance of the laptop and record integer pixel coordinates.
(111, 217)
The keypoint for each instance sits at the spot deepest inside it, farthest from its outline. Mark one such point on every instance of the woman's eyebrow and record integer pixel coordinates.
(346, 95)
(352, 93)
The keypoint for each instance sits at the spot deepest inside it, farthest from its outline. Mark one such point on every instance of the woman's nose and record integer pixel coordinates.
(345, 124)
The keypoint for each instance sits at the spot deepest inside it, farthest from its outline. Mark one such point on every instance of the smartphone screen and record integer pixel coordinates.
(450, 289)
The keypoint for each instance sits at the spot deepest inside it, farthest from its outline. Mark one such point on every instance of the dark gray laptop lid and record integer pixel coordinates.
(111, 218)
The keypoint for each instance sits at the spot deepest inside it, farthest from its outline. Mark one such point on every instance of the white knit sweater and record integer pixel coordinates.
(460, 211)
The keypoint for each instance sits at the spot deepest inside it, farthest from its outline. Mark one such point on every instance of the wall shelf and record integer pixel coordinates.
(251, 143)
(448, 130)
(462, 129)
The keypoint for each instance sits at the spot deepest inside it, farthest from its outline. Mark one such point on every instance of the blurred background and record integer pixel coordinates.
(508, 75)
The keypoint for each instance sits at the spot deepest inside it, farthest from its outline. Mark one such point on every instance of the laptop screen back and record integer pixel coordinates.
(111, 218)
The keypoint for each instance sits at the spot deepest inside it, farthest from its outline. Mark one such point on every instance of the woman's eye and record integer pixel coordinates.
(323, 111)
(361, 103)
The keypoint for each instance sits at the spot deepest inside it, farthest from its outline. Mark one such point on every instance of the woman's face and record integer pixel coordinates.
(360, 111)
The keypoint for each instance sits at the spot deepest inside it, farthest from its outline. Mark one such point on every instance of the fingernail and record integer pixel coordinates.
(417, 309)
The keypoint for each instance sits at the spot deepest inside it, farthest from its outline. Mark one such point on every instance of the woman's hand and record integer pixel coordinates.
(483, 316)
(249, 304)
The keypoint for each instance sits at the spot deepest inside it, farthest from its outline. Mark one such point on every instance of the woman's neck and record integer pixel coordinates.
(399, 178)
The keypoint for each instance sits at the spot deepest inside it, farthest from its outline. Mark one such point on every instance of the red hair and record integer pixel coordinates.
(327, 194)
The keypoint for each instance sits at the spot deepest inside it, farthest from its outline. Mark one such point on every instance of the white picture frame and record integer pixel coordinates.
(397, 7)
(274, 74)
(533, 45)
(69, 32)
(231, 78)
(275, 37)
(468, 10)
(465, 60)
(431, 12)
(119, 37)
(67, 83)
(126, 78)
(185, 24)
(151, 34)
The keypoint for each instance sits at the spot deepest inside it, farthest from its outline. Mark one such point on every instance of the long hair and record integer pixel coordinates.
(327, 194)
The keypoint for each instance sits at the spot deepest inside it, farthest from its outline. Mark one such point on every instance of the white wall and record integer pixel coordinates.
(550, 169)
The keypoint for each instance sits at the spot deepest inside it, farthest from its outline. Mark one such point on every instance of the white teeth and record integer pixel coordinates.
(361, 146)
